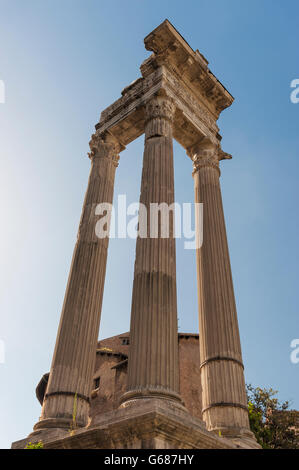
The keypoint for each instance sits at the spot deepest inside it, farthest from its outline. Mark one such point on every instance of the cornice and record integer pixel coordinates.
(177, 71)
(171, 49)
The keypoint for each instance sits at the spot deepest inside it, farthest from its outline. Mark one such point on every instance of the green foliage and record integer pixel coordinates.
(73, 426)
(273, 424)
(34, 445)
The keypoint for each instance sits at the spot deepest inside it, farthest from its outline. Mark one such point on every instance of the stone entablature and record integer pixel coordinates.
(178, 72)
(190, 66)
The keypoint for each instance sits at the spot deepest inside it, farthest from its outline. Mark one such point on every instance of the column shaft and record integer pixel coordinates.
(153, 359)
(223, 386)
(73, 361)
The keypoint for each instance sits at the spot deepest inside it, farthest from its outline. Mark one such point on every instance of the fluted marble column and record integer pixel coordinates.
(223, 386)
(153, 359)
(73, 361)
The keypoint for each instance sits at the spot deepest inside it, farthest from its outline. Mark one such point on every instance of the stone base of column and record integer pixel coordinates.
(52, 423)
(143, 424)
(157, 393)
(242, 437)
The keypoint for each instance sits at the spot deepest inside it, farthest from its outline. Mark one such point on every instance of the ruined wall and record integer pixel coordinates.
(190, 384)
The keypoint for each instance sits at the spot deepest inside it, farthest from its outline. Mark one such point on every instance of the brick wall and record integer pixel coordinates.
(111, 368)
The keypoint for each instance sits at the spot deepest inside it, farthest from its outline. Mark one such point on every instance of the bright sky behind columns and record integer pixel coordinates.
(62, 62)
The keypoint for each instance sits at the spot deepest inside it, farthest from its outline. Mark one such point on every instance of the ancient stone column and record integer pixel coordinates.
(70, 381)
(153, 359)
(223, 386)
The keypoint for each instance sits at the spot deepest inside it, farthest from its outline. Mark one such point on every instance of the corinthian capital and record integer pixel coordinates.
(207, 154)
(160, 107)
(104, 146)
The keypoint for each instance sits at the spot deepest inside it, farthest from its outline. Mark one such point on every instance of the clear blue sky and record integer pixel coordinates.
(62, 62)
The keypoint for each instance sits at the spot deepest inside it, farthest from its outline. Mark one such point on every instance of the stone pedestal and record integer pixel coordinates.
(143, 424)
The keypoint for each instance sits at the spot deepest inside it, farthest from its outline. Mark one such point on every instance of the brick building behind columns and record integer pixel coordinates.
(110, 376)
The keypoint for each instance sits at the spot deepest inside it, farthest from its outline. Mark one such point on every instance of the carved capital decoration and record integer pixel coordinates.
(205, 158)
(104, 146)
(160, 107)
(207, 154)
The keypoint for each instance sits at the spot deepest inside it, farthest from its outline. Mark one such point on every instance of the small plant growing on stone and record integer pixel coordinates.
(73, 426)
(34, 445)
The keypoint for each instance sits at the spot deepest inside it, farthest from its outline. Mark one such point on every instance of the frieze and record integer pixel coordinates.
(159, 81)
